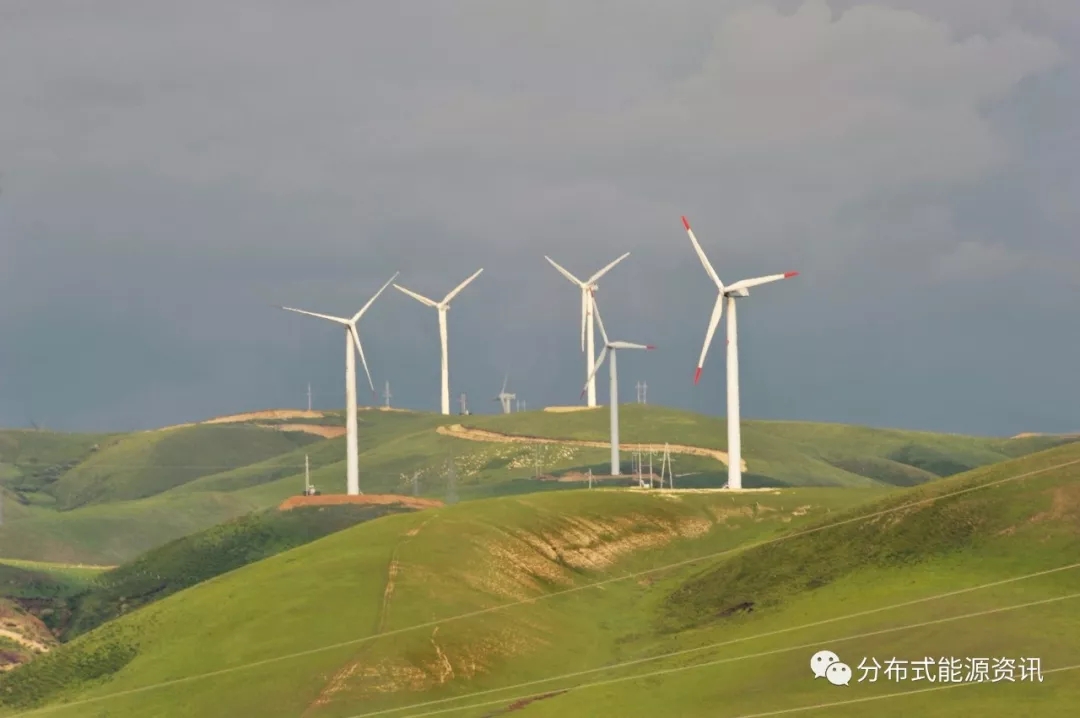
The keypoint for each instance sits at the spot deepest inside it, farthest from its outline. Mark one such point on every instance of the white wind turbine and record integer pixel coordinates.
(727, 295)
(442, 308)
(588, 333)
(506, 398)
(352, 338)
(611, 348)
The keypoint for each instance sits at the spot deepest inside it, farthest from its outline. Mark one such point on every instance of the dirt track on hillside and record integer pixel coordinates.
(364, 499)
(327, 432)
(461, 432)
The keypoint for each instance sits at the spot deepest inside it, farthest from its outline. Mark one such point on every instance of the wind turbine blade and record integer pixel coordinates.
(747, 283)
(418, 297)
(701, 255)
(565, 273)
(506, 378)
(599, 363)
(599, 321)
(630, 345)
(356, 340)
(458, 288)
(718, 309)
(370, 301)
(339, 320)
(606, 269)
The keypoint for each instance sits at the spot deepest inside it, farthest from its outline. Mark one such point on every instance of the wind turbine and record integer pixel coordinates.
(727, 295)
(352, 338)
(588, 333)
(611, 348)
(442, 308)
(505, 398)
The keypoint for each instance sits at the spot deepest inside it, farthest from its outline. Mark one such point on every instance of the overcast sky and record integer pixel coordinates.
(170, 172)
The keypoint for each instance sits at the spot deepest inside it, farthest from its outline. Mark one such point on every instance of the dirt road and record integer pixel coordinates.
(462, 432)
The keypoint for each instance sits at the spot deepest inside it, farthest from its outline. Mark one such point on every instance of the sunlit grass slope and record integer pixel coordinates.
(138, 491)
(783, 452)
(148, 463)
(395, 572)
(201, 556)
(746, 622)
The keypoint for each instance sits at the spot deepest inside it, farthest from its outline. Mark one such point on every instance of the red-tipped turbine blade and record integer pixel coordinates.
(697, 375)
(686, 223)
(789, 275)
(650, 346)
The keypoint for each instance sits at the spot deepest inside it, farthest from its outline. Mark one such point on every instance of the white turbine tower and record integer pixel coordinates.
(611, 348)
(442, 308)
(352, 338)
(588, 333)
(727, 295)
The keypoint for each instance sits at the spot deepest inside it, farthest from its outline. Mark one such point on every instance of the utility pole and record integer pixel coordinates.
(386, 394)
(644, 392)
(309, 396)
(650, 470)
(665, 466)
(307, 476)
(590, 477)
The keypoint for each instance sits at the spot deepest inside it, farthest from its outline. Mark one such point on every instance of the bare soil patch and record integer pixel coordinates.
(327, 432)
(365, 499)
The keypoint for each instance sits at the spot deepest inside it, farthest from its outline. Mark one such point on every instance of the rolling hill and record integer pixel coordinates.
(616, 602)
(105, 499)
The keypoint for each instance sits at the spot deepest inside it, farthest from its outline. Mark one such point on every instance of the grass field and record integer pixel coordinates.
(743, 599)
(201, 556)
(105, 499)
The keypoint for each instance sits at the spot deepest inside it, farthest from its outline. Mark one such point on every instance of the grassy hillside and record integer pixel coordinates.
(397, 571)
(784, 452)
(31, 461)
(390, 585)
(33, 600)
(147, 463)
(142, 490)
(201, 556)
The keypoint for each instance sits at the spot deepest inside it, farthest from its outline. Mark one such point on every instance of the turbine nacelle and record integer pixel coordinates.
(350, 324)
(737, 290)
(609, 346)
(588, 288)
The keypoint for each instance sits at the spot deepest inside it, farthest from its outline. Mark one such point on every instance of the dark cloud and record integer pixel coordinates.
(172, 172)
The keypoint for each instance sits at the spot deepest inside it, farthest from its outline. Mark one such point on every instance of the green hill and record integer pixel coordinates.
(782, 453)
(201, 556)
(138, 491)
(742, 589)
(147, 463)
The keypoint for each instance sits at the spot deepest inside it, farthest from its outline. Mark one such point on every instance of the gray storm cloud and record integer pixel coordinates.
(206, 162)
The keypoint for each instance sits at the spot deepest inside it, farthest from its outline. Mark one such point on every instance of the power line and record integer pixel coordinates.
(720, 644)
(562, 592)
(762, 654)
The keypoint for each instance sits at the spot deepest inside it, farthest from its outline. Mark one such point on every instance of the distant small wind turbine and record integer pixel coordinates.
(352, 337)
(727, 295)
(588, 333)
(442, 307)
(505, 398)
(612, 348)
